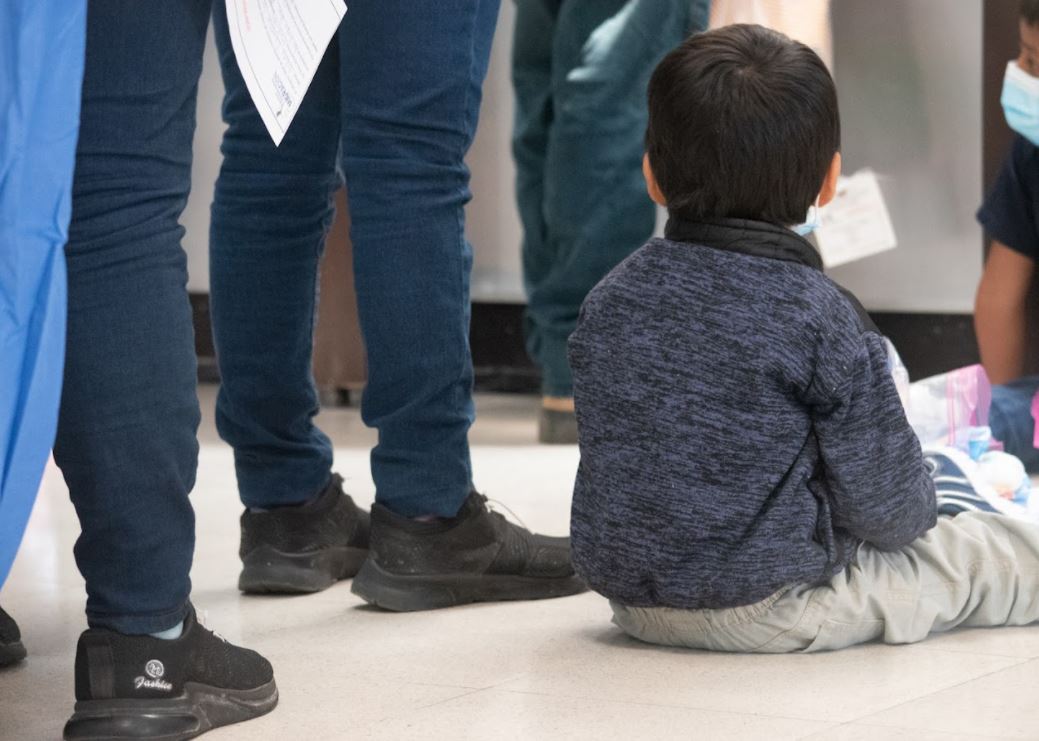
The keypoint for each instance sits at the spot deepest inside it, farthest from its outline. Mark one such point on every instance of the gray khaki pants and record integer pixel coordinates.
(974, 570)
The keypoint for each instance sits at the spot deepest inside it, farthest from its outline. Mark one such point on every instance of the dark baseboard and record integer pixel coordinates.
(205, 350)
(929, 344)
(500, 360)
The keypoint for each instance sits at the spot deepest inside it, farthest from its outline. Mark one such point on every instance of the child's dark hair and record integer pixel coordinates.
(1030, 11)
(743, 123)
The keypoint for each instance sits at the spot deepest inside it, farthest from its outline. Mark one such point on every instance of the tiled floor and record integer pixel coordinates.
(546, 670)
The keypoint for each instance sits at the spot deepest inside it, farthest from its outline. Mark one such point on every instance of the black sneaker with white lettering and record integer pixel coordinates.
(11, 649)
(476, 556)
(145, 687)
(296, 550)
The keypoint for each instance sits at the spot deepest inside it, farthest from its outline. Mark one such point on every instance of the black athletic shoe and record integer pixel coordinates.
(304, 549)
(11, 649)
(478, 556)
(144, 687)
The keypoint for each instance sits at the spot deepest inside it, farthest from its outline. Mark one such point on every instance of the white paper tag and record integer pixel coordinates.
(279, 45)
(856, 224)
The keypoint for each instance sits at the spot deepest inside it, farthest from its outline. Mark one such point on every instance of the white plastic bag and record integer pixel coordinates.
(942, 409)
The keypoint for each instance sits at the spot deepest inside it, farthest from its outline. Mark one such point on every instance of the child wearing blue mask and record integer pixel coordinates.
(1010, 216)
(748, 480)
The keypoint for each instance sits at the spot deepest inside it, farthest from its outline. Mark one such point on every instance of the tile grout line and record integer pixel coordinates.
(939, 691)
(415, 710)
(919, 730)
(471, 691)
(666, 705)
(954, 652)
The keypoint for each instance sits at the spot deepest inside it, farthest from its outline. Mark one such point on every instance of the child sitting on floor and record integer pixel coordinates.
(748, 480)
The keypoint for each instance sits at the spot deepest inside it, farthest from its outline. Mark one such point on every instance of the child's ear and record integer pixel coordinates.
(651, 183)
(829, 189)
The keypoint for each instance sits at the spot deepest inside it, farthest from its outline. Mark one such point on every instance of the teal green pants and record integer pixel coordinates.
(580, 71)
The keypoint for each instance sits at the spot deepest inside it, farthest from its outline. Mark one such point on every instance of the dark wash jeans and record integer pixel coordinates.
(580, 71)
(126, 434)
(126, 439)
(394, 108)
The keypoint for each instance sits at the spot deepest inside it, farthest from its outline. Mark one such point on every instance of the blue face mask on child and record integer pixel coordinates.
(811, 223)
(1021, 102)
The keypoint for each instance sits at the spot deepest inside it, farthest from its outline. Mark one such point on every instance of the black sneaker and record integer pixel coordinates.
(11, 649)
(478, 556)
(144, 687)
(304, 549)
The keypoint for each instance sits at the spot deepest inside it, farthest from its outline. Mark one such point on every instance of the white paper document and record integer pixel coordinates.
(856, 224)
(279, 45)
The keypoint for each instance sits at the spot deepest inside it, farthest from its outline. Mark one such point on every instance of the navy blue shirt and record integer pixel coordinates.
(1010, 214)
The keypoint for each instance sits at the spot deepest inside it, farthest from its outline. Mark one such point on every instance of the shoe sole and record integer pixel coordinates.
(267, 570)
(11, 653)
(412, 593)
(201, 708)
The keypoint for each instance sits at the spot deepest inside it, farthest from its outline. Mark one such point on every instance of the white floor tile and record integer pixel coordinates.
(1022, 643)
(1001, 703)
(861, 732)
(555, 669)
(494, 714)
(838, 687)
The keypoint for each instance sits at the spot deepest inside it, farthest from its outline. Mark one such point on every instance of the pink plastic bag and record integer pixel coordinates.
(1035, 416)
(942, 409)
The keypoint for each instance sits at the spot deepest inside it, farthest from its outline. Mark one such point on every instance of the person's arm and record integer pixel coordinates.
(1000, 313)
(879, 488)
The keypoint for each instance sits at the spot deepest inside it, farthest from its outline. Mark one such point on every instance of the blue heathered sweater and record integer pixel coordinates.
(739, 429)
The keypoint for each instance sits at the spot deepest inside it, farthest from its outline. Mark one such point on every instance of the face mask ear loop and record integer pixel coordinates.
(811, 222)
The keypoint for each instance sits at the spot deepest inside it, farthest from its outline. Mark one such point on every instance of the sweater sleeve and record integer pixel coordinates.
(872, 463)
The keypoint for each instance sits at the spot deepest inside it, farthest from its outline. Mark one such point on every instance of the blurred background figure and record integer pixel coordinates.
(807, 21)
(580, 72)
(1001, 309)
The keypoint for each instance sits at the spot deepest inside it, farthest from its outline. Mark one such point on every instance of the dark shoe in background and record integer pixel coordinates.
(477, 556)
(11, 649)
(304, 549)
(145, 687)
(557, 427)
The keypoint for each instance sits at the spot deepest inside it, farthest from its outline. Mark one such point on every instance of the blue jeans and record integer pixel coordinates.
(393, 108)
(1011, 419)
(126, 434)
(580, 71)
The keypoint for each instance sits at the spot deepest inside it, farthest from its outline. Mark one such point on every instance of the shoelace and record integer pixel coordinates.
(203, 620)
(493, 504)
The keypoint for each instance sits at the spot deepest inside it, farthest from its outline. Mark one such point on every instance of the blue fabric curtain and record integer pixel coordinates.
(42, 45)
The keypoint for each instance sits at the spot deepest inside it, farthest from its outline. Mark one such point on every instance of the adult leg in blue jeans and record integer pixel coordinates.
(580, 72)
(405, 79)
(1011, 419)
(126, 436)
(272, 210)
